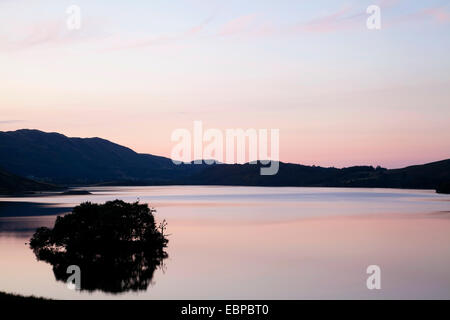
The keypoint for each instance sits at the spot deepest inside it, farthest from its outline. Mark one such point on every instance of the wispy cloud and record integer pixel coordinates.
(50, 32)
(348, 18)
(161, 39)
(440, 14)
(10, 121)
(237, 25)
(257, 25)
(341, 19)
(437, 14)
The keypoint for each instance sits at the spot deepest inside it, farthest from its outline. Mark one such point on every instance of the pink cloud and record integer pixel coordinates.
(162, 39)
(237, 25)
(440, 15)
(47, 33)
(265, 29)
(252, 26)
(40, 33)
(338, 20)
(435, 14)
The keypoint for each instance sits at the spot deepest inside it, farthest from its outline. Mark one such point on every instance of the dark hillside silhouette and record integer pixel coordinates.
(443, 188)
(427, 176)
(12, 184)
(55, 158)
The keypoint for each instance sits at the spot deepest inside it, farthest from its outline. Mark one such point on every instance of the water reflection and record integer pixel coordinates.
(27, 209)
(218, 245)
(109, 269)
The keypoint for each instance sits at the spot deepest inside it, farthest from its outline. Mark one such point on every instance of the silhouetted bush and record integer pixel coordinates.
(117, 245)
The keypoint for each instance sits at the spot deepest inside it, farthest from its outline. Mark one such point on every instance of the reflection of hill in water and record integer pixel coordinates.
(27, 209)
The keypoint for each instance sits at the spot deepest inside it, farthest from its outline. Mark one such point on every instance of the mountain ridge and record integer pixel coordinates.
(57, 159)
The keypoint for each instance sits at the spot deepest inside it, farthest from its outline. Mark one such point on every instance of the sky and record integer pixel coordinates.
(339, 93)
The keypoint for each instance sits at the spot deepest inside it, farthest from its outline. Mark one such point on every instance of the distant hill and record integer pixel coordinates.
(443, 187)
(57, 159)
(10, 184)
(427, 176)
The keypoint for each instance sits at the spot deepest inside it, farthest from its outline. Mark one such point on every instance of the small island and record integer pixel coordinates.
(116, 245)
(75, 193)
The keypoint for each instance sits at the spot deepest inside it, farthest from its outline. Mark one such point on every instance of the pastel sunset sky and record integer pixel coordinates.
(339, 93)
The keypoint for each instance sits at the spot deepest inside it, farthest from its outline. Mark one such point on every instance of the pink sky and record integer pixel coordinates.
(340, 94)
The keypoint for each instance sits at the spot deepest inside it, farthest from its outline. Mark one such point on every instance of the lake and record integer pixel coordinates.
(258, 243)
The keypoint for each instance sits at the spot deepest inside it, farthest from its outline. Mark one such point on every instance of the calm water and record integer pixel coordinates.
(259, 243)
